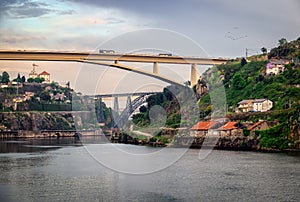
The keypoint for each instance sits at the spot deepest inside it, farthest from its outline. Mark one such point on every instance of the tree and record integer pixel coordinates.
(5, 77)
(143, 109)
(238, 82)
(39, 80)
(23, 79)
(18, 79)
(243, 62)
(30, 80)
(263, 50)
(44, 95)
(282, 42)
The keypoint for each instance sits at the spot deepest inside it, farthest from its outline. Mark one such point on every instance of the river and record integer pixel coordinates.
(66, 170)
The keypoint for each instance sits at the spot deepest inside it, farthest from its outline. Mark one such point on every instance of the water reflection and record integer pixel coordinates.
(28, 145)
(71, 174)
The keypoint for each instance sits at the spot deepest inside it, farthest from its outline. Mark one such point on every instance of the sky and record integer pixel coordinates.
(205, 28)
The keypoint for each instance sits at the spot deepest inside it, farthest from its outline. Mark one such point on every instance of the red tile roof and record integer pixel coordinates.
(229, 126)
(204, 125)
(254, 125)
(44, 73)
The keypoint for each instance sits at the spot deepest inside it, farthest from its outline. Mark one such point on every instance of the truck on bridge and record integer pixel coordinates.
(106, 51)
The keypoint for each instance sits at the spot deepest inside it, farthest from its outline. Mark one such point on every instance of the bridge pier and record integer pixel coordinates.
(116, 62)
(100, 113)
(155, 68)
(194, 75)
(116, 105)
(129, 104)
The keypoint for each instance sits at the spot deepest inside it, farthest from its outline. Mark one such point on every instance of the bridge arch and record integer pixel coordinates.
(135, 70)
(129, 109)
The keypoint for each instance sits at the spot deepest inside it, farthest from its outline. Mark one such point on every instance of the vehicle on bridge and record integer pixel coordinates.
(165, 54)
(106, 51)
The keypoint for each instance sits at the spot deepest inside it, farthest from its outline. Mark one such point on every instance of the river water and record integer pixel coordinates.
(66, 170)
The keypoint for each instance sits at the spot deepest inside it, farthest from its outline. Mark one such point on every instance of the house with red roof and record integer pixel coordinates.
(230, 128)
(260, 125)
(202, 128)
(45, 75)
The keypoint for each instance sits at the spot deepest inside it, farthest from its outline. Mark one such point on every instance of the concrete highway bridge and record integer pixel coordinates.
(114, 59)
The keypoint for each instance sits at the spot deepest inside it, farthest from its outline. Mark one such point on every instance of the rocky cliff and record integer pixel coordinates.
(33, 121)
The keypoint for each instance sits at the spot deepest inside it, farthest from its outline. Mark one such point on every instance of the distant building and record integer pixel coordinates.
(33, 74)
(260, 125)
(28, 95)
(46, 76)
(256, 105)
(202, 128)
(59, 96)
(275, 66)
(230, 128)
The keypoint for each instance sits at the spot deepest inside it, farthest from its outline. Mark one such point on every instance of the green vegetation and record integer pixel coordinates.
(160, 139)
(174, 100)
(286, 50)
(275, 137)
(4, 78)
(37, 80)
(249, 82)
(238, 80)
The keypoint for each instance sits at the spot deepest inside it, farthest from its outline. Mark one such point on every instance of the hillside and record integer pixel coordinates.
(250, 82)
(243, 79)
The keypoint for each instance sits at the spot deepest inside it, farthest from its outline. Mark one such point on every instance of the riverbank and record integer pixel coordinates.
(48, 133)
(172, 139)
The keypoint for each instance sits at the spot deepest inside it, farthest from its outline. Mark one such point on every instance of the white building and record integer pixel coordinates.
(275, 66)
(46, 76)
(255, 105)
(33, 74)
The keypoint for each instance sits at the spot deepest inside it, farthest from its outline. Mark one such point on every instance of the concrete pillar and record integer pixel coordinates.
(100, 113)
(194, 75)
(116, 105)
(155, 68)
(129, 104)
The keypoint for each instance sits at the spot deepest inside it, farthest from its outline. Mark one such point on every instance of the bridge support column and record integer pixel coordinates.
(194, 75)
(100, 113)
(116, 62)
(116, 105)
(129, 104)
(155, 68)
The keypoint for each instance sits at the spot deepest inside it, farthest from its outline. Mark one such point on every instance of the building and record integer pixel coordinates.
(46, 76)
(28, 95)
(230, 128)
(275, 66)
(255, 105)
(202, 128)
(260, 125)
(33, 74)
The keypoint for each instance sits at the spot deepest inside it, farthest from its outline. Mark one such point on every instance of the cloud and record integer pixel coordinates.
(18, 9)
(25, 9)
(144, 8)
(14, 39)
(113, 20)
(66, 12)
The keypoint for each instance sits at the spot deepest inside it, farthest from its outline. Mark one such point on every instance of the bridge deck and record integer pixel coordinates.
(75, 56)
